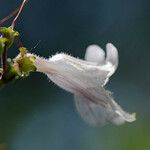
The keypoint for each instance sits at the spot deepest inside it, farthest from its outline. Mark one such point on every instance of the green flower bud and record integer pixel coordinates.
(9, 34)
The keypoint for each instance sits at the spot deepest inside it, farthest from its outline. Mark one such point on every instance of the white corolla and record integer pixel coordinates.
(86, 80)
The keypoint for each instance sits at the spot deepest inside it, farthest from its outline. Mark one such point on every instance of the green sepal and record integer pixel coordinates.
(23, 51)
(10, 34)
(26, 65)
(25, 62)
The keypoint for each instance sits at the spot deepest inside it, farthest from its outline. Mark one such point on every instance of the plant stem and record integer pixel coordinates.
(19, 12)
(4, 59)
(11, 14)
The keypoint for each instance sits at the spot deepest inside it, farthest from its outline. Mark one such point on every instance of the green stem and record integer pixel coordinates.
(4, 59)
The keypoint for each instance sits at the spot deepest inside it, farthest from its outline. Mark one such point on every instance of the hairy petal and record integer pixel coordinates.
(101, 110)
(86, 79)
(71, 69)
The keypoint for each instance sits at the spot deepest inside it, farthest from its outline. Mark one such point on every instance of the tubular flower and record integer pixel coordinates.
(86, 79)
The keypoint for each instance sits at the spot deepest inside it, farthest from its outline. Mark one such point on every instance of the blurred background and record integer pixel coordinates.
(37, 115)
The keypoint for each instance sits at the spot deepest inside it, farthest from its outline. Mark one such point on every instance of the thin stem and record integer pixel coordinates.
(18, 42)
(11, 14)
(19, 12)
(4, 59)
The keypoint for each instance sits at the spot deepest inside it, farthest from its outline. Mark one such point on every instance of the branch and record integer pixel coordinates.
(11, 14)
(4, 59)
(19, 12)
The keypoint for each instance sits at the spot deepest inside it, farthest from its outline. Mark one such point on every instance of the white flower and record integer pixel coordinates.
(86, 80)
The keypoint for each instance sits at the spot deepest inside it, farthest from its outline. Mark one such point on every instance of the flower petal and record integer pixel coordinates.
(73, 69)
(97, 107)
(111, 62)
(91, 113)
(112, 55)
(86, 80)
(96, 54)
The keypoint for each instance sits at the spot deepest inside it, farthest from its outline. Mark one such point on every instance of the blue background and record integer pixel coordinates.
(37, 115)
